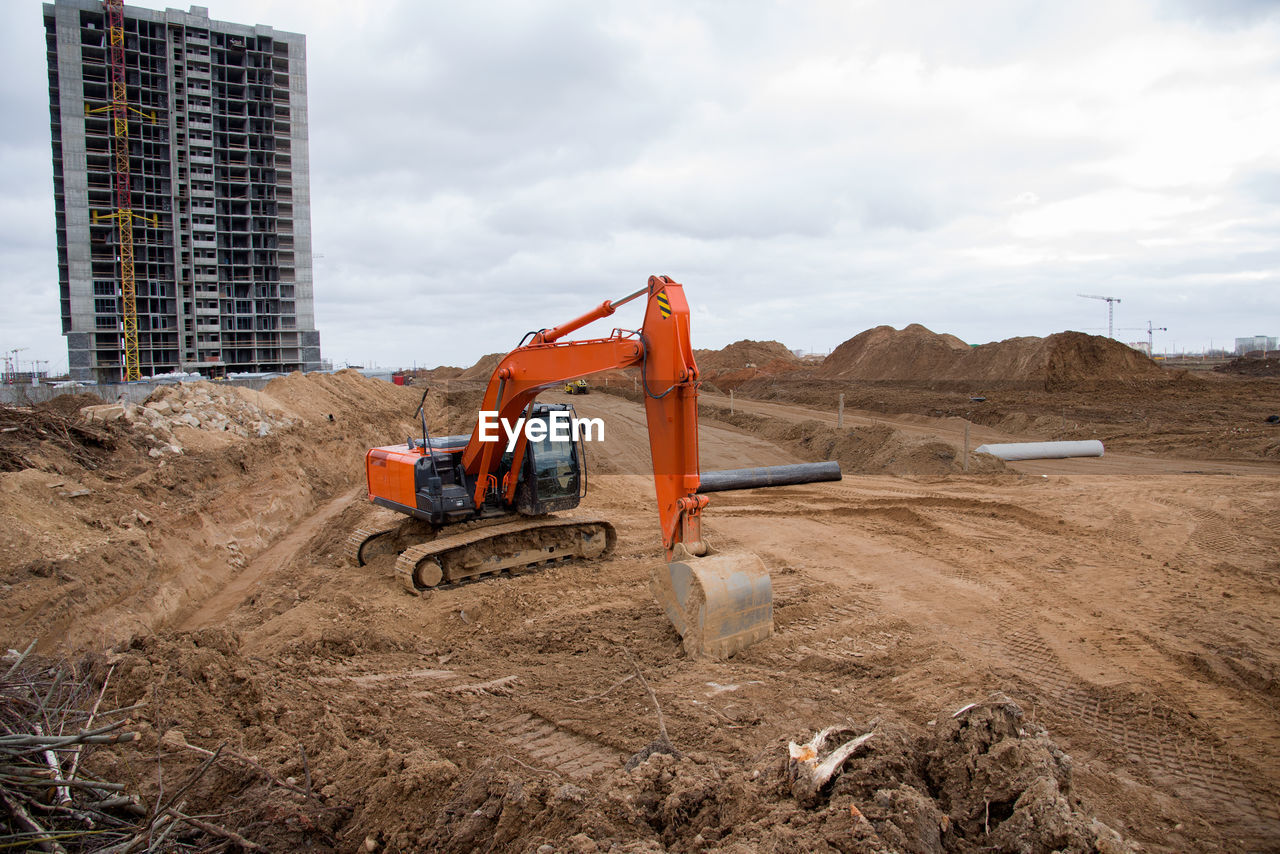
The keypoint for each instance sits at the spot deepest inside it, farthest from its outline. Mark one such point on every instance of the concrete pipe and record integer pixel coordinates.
(1010, 451)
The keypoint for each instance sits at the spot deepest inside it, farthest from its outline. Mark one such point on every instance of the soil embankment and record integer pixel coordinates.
(915, 354)
(1066, 386)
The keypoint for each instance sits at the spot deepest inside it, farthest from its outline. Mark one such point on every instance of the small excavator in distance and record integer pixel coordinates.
(473, 507)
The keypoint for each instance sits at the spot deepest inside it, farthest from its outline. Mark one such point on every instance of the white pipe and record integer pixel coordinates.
(1042, 450)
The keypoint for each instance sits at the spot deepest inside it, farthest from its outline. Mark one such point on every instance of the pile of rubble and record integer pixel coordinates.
(199, 406)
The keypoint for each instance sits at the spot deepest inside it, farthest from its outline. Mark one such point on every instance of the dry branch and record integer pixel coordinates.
(662, 727)
(662, 744)
(215, 830)
(48, 723)
(175, 738)
(616, 685)
(23, 430)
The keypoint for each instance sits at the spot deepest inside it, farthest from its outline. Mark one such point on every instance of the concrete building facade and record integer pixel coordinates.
(1264, 343)
(220, 187)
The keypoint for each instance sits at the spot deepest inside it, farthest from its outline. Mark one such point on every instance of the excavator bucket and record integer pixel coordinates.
(719, 603)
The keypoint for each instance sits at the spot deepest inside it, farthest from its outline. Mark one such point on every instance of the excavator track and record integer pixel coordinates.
(363, 541)
(367, 545)
(510, 546)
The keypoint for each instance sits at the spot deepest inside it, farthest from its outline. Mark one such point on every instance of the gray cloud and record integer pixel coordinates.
(1221, 13)
(807, 171)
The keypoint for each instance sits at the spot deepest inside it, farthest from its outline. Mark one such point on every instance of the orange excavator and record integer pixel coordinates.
(482, 504)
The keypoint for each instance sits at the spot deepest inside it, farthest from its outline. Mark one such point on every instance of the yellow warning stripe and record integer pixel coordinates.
(664, 304)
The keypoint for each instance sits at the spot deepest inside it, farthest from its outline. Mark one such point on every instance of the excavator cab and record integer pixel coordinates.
(426, 479)
(551, 474)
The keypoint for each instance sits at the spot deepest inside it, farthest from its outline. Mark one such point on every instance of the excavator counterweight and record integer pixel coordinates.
(475, 506)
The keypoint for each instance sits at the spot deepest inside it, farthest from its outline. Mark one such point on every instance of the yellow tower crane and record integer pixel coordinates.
(123, 215)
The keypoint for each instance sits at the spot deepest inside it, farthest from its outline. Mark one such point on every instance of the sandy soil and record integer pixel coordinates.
(1117, 630)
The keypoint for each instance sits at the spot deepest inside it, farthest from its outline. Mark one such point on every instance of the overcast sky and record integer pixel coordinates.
(807, 170)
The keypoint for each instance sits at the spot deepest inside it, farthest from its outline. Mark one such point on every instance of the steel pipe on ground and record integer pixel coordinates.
(755, 478)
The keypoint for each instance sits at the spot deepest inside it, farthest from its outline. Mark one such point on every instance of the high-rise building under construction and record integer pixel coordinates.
(181, 192)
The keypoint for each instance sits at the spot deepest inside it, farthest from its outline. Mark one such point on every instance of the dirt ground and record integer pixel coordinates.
(1075, 655)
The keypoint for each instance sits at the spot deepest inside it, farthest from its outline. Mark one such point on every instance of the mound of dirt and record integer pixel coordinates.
(881, 449)
(444, 372)
(1252, 365)
(917, 354)
(1070, 358)
(743, 354)
(70, 404)
(983, 780)
(346, 394)
(885, 353)
(127, 520)
(745, 360)
(482, 369)
(776, 368)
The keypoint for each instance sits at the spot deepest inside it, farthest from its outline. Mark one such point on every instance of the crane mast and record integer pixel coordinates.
(1111, 304)
(124, 194)
(123, 215)
(1151, 329)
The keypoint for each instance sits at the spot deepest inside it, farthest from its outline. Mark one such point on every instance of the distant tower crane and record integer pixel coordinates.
(1150, 330)
(1111, 307)
(11, 365)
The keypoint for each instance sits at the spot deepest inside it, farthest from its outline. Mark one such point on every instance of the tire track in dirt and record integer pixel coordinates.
(556, 748)
(541, 740)
(1124, 529)
(1165, 743)
(1215, 533)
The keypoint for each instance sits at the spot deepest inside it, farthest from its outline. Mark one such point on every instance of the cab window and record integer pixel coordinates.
(555, 468)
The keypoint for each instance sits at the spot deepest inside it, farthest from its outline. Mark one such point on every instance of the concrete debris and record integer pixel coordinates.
(103, 414)
(197, 406)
